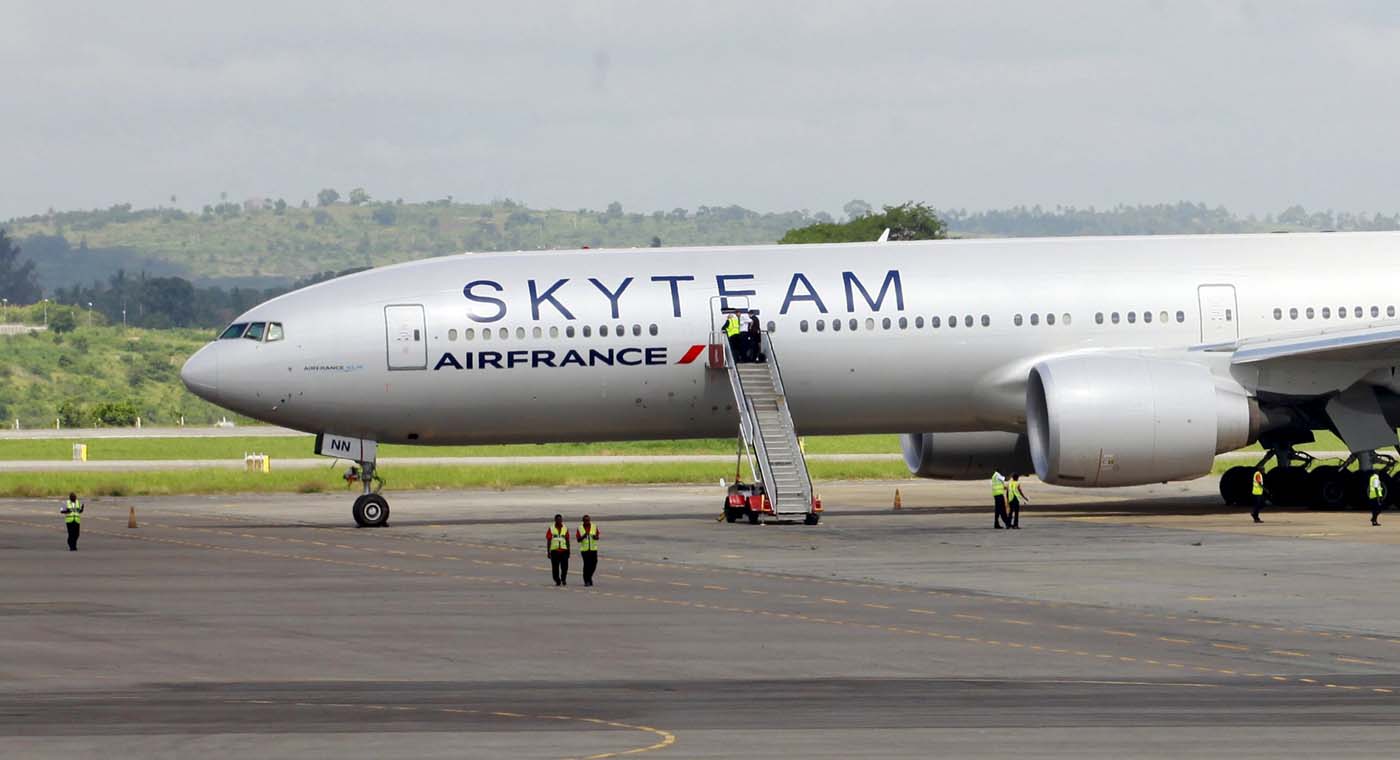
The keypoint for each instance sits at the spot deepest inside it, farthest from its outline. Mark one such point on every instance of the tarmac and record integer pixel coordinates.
(1145, 622)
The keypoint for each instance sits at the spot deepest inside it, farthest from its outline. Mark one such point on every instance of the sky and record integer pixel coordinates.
(773, 105)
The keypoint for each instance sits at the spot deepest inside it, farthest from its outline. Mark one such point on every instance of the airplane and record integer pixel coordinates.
(1090, 361)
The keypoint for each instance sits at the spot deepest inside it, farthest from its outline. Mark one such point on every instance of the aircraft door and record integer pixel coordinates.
(407, 337)
(1219, 314)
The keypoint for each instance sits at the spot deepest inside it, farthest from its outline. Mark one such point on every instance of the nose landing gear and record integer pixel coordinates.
(371, 510)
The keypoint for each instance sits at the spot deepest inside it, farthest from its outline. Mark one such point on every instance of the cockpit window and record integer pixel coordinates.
(255, 331)
(274, 331)
(234, 331)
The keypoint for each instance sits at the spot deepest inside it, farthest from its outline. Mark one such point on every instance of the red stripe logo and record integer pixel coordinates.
(692, 354)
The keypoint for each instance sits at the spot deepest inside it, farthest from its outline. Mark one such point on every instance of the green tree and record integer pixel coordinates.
(326, 197)
(18, 282)
(72, 414)
(115, 413)
(385, 215)
(358, 197)
(856, 209)
(907, 221)
(280, 207)
(62, 320)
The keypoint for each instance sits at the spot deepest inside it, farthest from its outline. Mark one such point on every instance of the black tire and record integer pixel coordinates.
(1328, 487)
(1287, 486)
(371, 511)
(753, 517)
(731, 514)
(812, 518)
(1235, 486)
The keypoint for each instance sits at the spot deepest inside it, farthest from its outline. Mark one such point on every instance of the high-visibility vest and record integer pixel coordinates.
(558, 541)
(1257, 488)
(1013, 488)
(998, 486)
(1377, 490)
(589, 542)
(731, 328)
(72, 513)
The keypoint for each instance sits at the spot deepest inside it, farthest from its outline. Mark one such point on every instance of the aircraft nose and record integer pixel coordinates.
(201, 373)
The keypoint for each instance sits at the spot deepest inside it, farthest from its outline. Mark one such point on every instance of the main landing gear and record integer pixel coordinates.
(371, 510)
(1299, 480)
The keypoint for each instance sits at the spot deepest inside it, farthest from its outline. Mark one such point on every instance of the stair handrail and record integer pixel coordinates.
(776, 371)
(747, 426)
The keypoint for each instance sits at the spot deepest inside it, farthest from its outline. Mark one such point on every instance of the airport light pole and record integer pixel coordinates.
(5, 312)
(46, 312)
(89, 313)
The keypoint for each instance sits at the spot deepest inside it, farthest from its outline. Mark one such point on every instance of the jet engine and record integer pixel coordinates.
(966, 456)
(1102, 420)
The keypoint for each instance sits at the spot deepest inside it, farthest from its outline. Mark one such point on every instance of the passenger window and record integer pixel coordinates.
(1147, 317)
(772, 326)
(854, 324)
(904, 323)
(1114, 317)
(821, 325)
(255, 331)
(452, 335)
(802, 325)
(1375, 311)
(234, 330)
(1341, 312)
(569, 331)
(520, 333)
(553, 331)
(1162, 317)
(1327, 313)
(919, 321)
(952, 320)
(1390, 311)
(274, 331)
(1229, 315)
(1035, 319)
(1132, 317)
(935, 322)
(1181, 316)
(1098, 318)
(602, 331)
(1293, 313)
(986, 321)
(587, 331)
(652, 328)
(1278, 314)
(469, 334)
(836, 325)
(967, 320)
(636, 331)
(1310, 312)
(1356, 312)
(621, 331)
(504, 333)
(870, 323)
(1050, 318)
(1065, 318)
(537, 332)
(1016, 320)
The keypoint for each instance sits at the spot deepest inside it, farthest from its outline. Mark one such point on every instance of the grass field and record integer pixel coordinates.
(100, 449)
(408, 478)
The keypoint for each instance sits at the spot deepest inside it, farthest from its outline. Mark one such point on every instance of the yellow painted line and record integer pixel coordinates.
(1171, 640)
(962, 616)
(680, 583)
(1383, 691)
(875, 606)
(1064, 627)
(751, 591)
(918, 611)
(1355, 660)
(715, 588)
(1112, 632)
(1014, 621)
(1278, 678)
(834, 601)
(1232, 647)
(1201, 599)
(1287, 653)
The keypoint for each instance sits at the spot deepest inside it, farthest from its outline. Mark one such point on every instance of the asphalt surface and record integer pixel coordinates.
(1141, 622)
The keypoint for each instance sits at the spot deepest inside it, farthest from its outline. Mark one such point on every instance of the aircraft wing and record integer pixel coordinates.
(1375, 344)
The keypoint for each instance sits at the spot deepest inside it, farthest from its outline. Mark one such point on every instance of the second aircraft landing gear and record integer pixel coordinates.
(1299, 481)
(371, 510)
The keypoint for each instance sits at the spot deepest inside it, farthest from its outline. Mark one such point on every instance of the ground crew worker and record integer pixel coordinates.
(1014, 497)
(1375, 489)
(557, 539)
(588, 549)
(755, 339)
(734, 333)
(998, 499)
(1256, 489)
(72, 518)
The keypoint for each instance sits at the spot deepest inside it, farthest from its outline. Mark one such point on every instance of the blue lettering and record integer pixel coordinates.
(516, 357)
(447, 360)
(612, 295)
(489, 359)
(596, 357)
(500, 305)
(541, 358)
(572, 357)
(722, 282)
(624, 361)
(850, 280)
(656, 356)
(811, 295)
(548, 295)
(675, 280)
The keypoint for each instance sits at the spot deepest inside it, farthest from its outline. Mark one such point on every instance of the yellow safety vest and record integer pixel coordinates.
(590, 539)
(1258, 488)
(731, 328)
(998, 487)
(1377, 490)
(558, 541)
(1013, 488)
(73, 515)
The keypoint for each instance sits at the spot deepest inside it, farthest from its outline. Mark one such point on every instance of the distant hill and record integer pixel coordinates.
(263, 244)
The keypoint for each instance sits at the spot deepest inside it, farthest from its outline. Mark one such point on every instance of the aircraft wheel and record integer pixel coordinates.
(812, 518)
(371, 511)
(1235, 486)
(1328, 486)
(1287, 486)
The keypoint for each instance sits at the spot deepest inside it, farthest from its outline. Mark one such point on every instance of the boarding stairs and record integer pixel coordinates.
(770, 441)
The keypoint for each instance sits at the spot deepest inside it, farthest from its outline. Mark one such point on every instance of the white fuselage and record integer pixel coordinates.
(494, 347)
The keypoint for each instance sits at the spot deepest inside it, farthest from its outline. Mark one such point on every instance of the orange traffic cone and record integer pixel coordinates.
(898, 502)
(131, 518)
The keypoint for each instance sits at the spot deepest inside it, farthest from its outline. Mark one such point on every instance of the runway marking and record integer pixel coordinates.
(1354, 660)
(1232, 647)
(1287, 653)
(918, 611)
(1171, 640)
(876, 606)
(964, 616)
(715, 588)
(1127, 634)
(834, 601)
(1013, 621)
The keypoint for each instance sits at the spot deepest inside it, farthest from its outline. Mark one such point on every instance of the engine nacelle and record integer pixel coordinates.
(966, 456)
(1103, 420)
